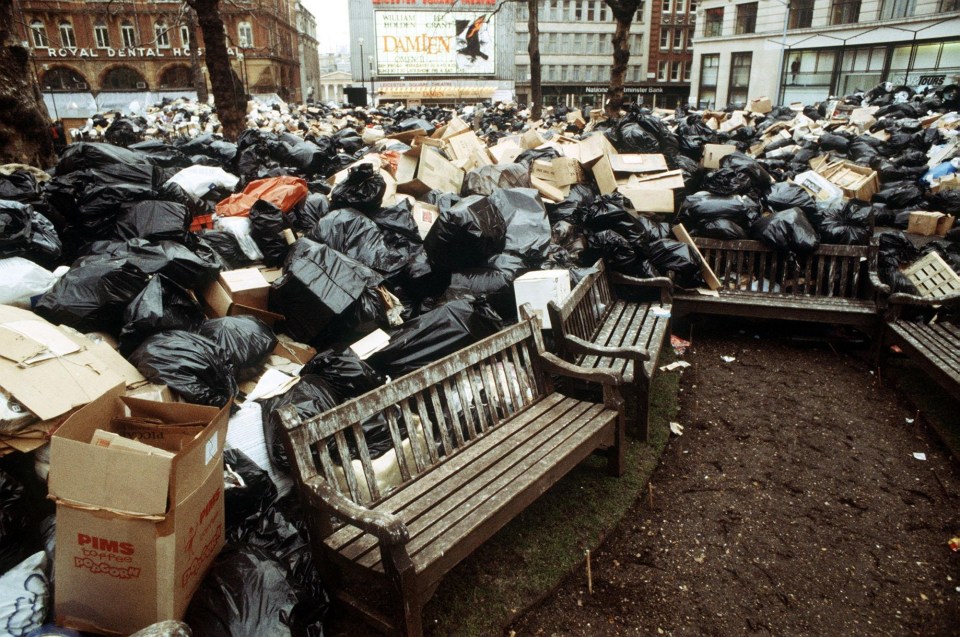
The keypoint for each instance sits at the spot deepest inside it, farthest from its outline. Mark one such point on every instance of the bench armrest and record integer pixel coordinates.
(388, 528)
(577, 345)
(556, 365)
(911, 299)
(664, 283)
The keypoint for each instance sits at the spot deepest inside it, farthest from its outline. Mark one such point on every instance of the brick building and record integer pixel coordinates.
(106, 51)
(670, 53)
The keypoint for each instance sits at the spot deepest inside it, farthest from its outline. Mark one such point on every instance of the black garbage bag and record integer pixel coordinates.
(466, 234)
(494, 280)
(784, 195)
(45, 246)
(863, 148)
(249, 593)
(189, 364)
(15, 228)
(124, 132)
(669, 255)
(895, 250)
(703, 207)
(787, 231)
(581, 196)
(344, 372)
(307, 157)
(305, 215)
(630, 137)
(98, 208)
(897, 280)
(15, 526)
(153, 221)
(225, 244)
(416, 123)
(247, 497)
(727, 181)
(320, 286)
(849, 225)
(440, 199)
(161, 154)
(266, 229)
(20, 185)
(434, 334)
(93, 294)
(618, 253)
(609, 212)
(363, 189)
(528, 228)
(162, 305)
(829, 141)
(759, 178)
(719, 229)
(899, 194)
(486, 179)
(359, 237)
(245, 341)
(193, 268)
(946, 201)
(311, 396)
(84, 155)
(531, 155)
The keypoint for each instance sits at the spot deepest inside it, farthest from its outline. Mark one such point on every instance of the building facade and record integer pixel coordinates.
(332, 85)
(309, 50)
(808, 50)
(670, 52)
(101, 55)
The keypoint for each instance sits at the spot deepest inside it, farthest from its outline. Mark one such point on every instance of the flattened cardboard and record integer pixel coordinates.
(560, 171)
(760, 105)
(217, 303)
(549, 191)
(505, 153)
(649, 199)
(246, 286)
(637, 163)
(603, 174)
(712, 153)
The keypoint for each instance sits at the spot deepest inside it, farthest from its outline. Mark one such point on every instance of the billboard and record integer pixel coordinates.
(434, 43)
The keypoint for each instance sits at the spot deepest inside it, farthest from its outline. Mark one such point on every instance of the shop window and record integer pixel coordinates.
(128, 35)
(897, 9)
(68, 38)
(123, 78)
(713, 25)
(178, 76)
(801, 14)
(162, 35)
(39, 33)
(746, 18)
(101, 35)
(63, 79)
(245, 33)
(845, 11)
(709, 70)
(739, 77)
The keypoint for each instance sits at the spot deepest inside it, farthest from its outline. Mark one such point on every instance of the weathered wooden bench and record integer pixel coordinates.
(478, 435)
(596, 327)
(834, 284)
(935, 347)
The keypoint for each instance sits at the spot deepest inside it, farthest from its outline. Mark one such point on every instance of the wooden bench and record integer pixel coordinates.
(477, 435)
(935, 347)
(594, 327)
(834, 284)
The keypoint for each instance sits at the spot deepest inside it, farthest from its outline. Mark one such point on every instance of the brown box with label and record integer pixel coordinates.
(136, 532)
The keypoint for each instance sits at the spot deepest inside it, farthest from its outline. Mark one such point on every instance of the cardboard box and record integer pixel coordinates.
(589, 150)
(423, 169)
(561, 171)
(604, 176)
(760, 105)
(505, 152)
(856, 182)
(134, 541)
(425, 215)
(217, 302)
(818, 186)
(634, 164)
(653, 193)
(539, 288)
(928, 224)
(547, 190)
(246, 286)
(712, 153)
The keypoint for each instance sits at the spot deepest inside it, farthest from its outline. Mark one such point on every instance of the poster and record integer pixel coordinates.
(434, 43)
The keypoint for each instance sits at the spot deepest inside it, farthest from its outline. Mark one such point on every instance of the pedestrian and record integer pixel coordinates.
(58, 136)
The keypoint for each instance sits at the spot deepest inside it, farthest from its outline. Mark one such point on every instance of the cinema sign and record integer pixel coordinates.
(434, 43)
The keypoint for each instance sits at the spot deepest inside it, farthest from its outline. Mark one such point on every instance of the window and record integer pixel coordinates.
(713, 26)
(666, 6)
(603, 11)
(662, 71)
(128, 35)
(162, 35)
(739, 78)
(245, 32)
(801, 14)
(123, 78)
(709, 68)
(39, 33)
(101, 34)
(845, 11)
(554, 13)
(675, 71)
(588, 74)
(563, 73)
(185, 36)
(591, 12)
(578, 11)
(178, 76)
(678, 39)
(63, 79)
(664, 39)
(949, 5)
(67, 37)
(523, 72)
(897, 9)
(746, 18)
(686, 71)
(689, 39)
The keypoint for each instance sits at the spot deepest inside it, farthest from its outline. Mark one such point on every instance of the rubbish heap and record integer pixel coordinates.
(165, 292)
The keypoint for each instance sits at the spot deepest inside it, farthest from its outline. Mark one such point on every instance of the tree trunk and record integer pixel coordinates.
(228, 94)
(24, 121)
(199, 83)
(621, 56)
(533, 50)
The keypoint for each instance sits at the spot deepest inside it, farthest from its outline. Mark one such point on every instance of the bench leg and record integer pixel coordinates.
(616, 461)
(400, 570)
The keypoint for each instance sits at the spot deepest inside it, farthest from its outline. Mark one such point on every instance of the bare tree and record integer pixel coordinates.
(533, 50)
(24, 121)
(228, 94)
(623, 12)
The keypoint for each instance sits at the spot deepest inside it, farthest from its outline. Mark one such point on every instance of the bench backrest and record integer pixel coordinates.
(582, 312)
(431, 414)
(831, 271)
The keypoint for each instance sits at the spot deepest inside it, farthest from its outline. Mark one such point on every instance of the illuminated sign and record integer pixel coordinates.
(434, 43)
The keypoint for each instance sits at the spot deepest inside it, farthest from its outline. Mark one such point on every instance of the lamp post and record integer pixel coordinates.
(373, 83)
(363, 80)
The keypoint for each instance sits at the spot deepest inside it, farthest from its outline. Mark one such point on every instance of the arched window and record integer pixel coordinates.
(163, 34)
(128, 34)
(245, 33)
(178, 76)
(101, 35)
(39, 33)
(68, 39)
(123, 78)
(62, 78)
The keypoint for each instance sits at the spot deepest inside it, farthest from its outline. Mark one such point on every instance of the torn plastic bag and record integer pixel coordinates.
(25, 595)
(466, 234)
(581, 196)
(702, 207)
(283, 192)
(16, 530)
(153, 221)
(899, 194)
(785, 195)
(434, 334)
(188, 364)
(344, 372)
(349, 232)
(266, 230)
(320, 286)
(22, 280)
(494, 280)
(248, 593)
(669, 255)
(486, 179)
(727, 181)
(311, 396)
(200, 180)
(363, 190)
(849, 225)
(528, 228)
(225, 244)
(618, 253)
(99, 156)
(162, 305)
(192, 268)
(239, 228)
(786, 231)
(304, 216)
(93, 294)
(248, 489)
(245, 341)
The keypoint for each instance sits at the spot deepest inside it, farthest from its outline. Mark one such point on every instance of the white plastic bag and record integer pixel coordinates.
(239, 227)
(24, 595)
(199, 180)
(21, 280)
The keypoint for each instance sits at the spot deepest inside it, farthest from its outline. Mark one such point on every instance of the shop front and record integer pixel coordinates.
(654, 94)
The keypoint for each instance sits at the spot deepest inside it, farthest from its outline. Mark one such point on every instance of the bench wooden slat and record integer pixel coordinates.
(351, 478)
(365, 462)
(426, 426)
(441, 421)
(935, 344)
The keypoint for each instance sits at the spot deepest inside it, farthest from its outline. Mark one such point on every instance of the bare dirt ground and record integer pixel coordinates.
(792, 504)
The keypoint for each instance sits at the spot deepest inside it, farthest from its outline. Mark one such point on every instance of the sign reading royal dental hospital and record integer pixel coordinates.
(434, 43)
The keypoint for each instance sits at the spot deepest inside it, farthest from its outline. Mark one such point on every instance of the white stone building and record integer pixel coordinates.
(332, 85)
(807, 50)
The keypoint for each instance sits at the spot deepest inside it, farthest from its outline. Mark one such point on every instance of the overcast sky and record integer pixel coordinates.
(333, 23)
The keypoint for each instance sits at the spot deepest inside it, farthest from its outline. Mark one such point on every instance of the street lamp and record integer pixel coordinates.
(373, 85)
(363, 80)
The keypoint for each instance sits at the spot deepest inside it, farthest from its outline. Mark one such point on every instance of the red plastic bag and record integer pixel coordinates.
(283, 192)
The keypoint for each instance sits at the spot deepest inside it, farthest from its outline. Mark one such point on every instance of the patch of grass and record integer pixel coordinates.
(937, 407)
(529, 557)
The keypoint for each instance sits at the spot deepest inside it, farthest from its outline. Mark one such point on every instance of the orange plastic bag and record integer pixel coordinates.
(283, 192)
